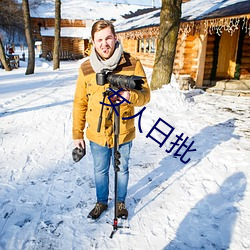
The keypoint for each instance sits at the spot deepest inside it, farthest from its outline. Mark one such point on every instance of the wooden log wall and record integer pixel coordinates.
(146, 59)
(185, 59)
(73, 45)
(186, 55)
(47, 45)
(50, 22)
(131, 46)
(190, 56)
(66, 44)
(79, 46)
(178, 61)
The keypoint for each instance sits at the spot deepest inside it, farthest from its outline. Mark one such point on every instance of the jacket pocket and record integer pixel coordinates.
(128, 124)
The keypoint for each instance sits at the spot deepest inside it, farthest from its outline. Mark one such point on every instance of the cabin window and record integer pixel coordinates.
(140, 45)
(146, 45)
(152, 45)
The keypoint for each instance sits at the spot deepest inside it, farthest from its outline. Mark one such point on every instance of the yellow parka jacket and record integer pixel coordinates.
(87, 106)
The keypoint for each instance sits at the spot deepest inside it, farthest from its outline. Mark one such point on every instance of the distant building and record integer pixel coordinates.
(75, 36)
(77, 19)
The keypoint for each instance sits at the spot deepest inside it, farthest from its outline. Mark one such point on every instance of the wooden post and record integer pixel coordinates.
(140, 41)
(144, 45)
(149, 45)
(201, 60)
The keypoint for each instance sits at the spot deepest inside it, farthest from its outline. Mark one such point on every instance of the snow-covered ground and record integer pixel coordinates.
(45, 197)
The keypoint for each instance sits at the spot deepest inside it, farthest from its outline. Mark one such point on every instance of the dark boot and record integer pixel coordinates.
(122, 211)
(97, 210)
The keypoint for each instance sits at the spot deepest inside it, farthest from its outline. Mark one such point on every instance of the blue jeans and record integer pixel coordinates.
(102, 158)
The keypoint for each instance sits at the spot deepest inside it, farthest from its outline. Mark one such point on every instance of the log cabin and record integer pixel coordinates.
(213, 41)
(74, 41)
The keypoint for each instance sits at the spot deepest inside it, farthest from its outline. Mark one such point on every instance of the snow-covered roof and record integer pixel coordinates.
(79, 32)
(85, 10)
(206, 9)
(145, 20)
(191, 11)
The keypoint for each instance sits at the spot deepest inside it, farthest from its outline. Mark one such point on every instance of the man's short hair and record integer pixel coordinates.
(101, 24)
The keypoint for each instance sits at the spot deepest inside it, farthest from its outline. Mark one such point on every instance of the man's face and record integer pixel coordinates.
(104, 42)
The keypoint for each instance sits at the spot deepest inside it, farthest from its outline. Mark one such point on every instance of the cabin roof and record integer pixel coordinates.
(84, 10)
(208, 9)
(77, 32)
(140, 21)
(193, 10)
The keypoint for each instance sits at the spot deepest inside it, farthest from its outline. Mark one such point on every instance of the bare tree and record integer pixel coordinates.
(36, 3)
(11, 16)
(56, 59)
(168, 34)
(11, 24)
(3, 57)
(28, 33)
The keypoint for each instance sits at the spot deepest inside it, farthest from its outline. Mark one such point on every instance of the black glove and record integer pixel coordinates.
(78, 153)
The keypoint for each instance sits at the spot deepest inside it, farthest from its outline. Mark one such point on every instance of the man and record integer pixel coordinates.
(107, 54)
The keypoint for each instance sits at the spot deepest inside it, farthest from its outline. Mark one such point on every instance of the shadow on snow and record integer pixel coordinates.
(23, 110)
(211, 136)
(210, 223)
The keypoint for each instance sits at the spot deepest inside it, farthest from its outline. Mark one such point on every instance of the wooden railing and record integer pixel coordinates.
(64, 55)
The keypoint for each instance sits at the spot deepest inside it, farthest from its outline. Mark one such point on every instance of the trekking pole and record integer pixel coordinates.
(117, 156)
